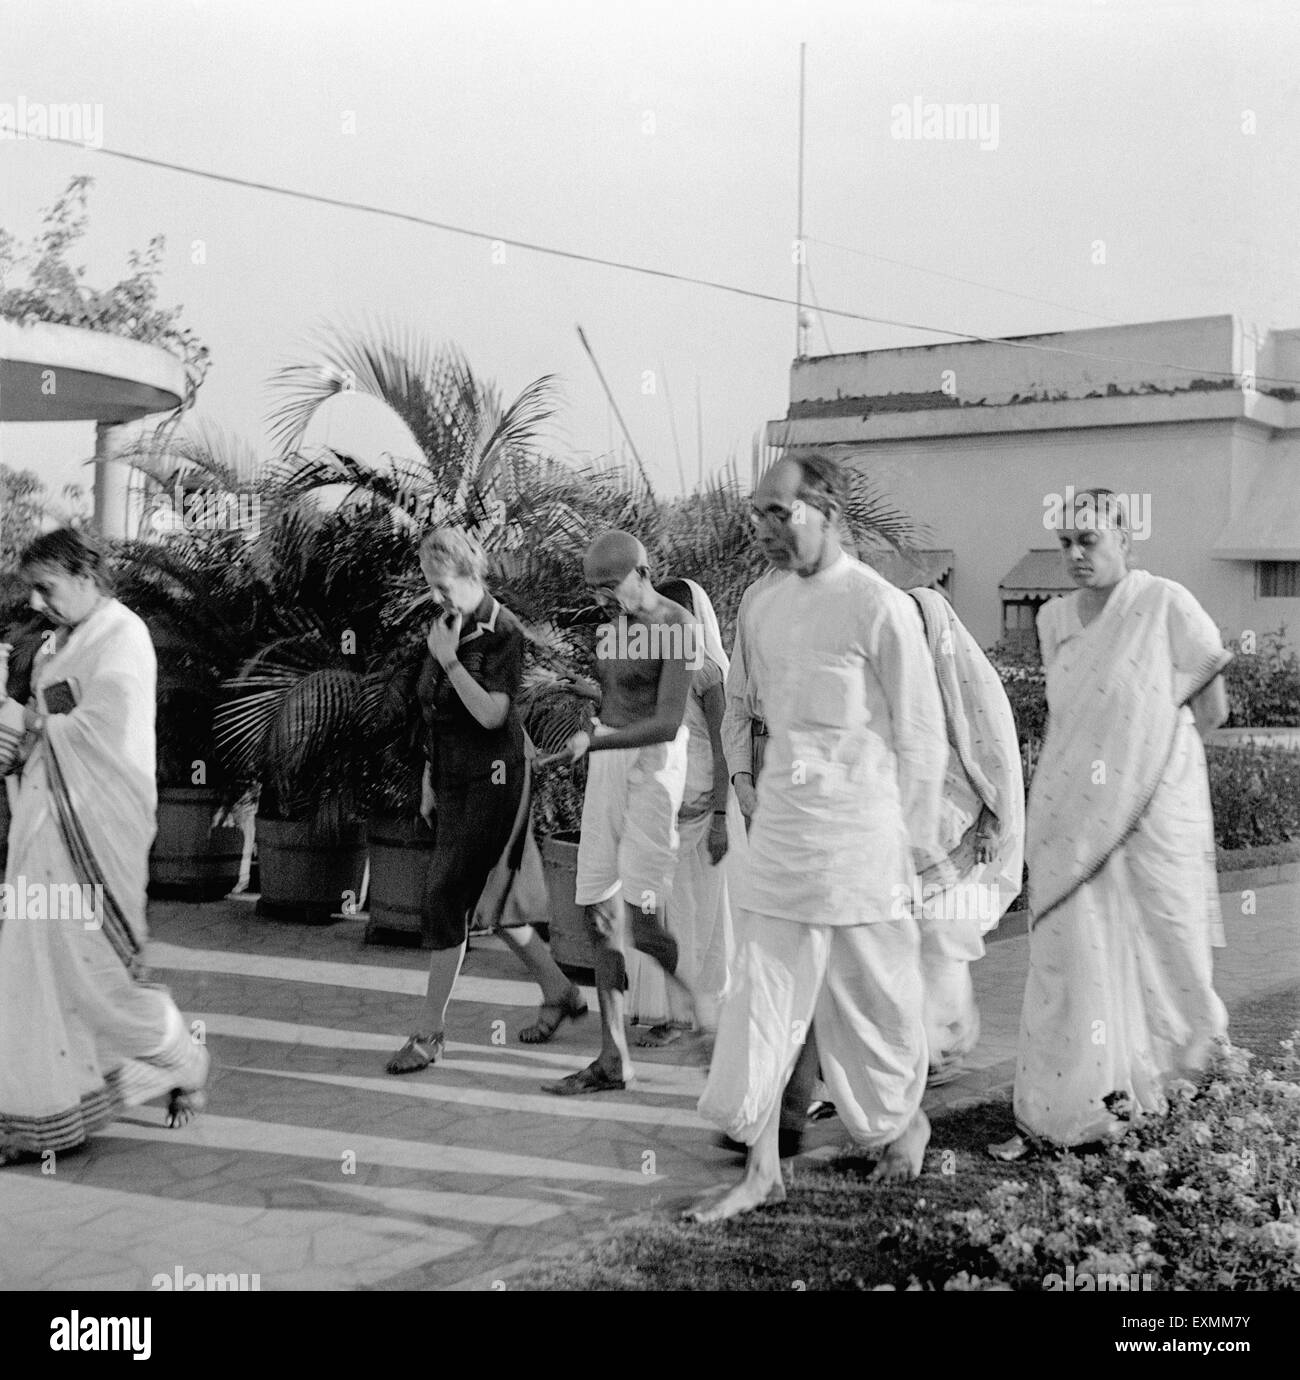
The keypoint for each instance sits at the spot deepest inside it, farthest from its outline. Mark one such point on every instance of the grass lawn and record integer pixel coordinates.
(826, 1235)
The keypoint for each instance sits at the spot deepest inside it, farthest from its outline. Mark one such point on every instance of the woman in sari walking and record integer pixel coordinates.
(711, 828)
(1123, 893)
(81, 1036)
(962, 894)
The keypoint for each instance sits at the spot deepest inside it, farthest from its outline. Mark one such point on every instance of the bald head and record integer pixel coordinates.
(612, 556)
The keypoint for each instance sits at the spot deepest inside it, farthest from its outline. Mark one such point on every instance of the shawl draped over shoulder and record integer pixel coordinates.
(1112, 720)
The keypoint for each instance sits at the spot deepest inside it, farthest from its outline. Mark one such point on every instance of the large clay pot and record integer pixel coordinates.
(192, 857)
(303, 878)
(400, 849)
(570, 946)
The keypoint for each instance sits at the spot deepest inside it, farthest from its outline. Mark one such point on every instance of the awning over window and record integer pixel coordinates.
(1038, 574)
(1267, 527)
(916, 570)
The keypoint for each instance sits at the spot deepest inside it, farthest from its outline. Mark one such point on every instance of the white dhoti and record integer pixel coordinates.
(861, 984)
(952, 1019)
(629, 839)
(699, 919)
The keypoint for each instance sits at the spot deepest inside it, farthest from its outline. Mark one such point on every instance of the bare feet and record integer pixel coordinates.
(750, 1193)
(183, 1107)
(903, 1159)
(1009, 1151)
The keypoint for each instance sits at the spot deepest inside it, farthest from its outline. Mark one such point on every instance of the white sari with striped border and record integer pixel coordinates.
(81, 1035)
(1123, 891)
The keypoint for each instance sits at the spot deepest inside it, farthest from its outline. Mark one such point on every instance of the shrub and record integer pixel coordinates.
(1264, 685)
(1025, 681)
(1203, 1197)
(1255, 794)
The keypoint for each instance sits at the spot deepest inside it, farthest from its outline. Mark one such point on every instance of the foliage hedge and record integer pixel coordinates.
(1254, 790)
(1263, 683)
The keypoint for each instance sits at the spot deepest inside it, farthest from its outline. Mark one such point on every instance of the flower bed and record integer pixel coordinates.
(1204, 1197)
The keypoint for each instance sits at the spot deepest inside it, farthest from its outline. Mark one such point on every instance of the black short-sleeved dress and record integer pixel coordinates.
(478, 774)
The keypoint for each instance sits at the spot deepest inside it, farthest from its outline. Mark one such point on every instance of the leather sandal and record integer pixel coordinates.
(592, 1079)
(423, 1049)
(551, 1016)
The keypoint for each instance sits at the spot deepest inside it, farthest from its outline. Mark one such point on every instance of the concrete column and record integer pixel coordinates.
(111, 480)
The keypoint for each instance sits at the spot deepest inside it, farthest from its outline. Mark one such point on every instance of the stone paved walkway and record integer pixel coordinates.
(315, 1170)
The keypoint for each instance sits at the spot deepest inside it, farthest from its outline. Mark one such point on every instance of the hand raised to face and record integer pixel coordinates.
(444, 637)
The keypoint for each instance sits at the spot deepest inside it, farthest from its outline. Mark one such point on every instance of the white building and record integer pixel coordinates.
(1197, 420)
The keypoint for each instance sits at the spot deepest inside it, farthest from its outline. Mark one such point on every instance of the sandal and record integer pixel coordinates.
(417, 1053)
(592, 1079)
(658, 1036)
(551, 1016)
(1013, 1150)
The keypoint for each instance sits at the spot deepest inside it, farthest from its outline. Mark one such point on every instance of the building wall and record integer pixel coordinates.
(983, 496)
(1169, 355)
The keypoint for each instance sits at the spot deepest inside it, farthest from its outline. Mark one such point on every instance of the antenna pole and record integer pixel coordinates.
(672, 421)
(799, 250)
(699, 430)
(627, 434)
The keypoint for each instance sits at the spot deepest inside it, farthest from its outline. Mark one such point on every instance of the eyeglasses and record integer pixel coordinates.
(781, 516)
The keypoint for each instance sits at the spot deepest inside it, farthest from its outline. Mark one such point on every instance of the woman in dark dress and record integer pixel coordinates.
(475, 786)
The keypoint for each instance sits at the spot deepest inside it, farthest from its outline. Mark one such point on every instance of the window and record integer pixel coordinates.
(1277, 579)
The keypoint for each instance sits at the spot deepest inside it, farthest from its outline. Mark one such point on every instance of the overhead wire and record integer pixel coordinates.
(645, 270)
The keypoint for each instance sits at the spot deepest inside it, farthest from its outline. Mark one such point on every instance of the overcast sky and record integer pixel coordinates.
(663, 134)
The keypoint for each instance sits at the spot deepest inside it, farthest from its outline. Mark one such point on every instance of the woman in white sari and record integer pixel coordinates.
(962, 895)
(80, 1036)
(711, 827)
(1123, 894)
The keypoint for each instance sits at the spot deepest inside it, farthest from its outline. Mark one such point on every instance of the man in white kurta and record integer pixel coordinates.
(850, 786)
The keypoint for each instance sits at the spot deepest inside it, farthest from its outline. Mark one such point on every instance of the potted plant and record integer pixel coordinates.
(293, 719)
(468, 448)
(192, 583)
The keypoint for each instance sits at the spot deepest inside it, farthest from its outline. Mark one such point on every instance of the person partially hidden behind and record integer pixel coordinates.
(627, 854)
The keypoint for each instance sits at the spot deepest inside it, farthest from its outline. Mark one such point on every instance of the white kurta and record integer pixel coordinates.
(825, 932)
(854, 768)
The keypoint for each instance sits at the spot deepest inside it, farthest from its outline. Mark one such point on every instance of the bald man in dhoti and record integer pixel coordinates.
(636, 779)
(850, 785)
(963, 894)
